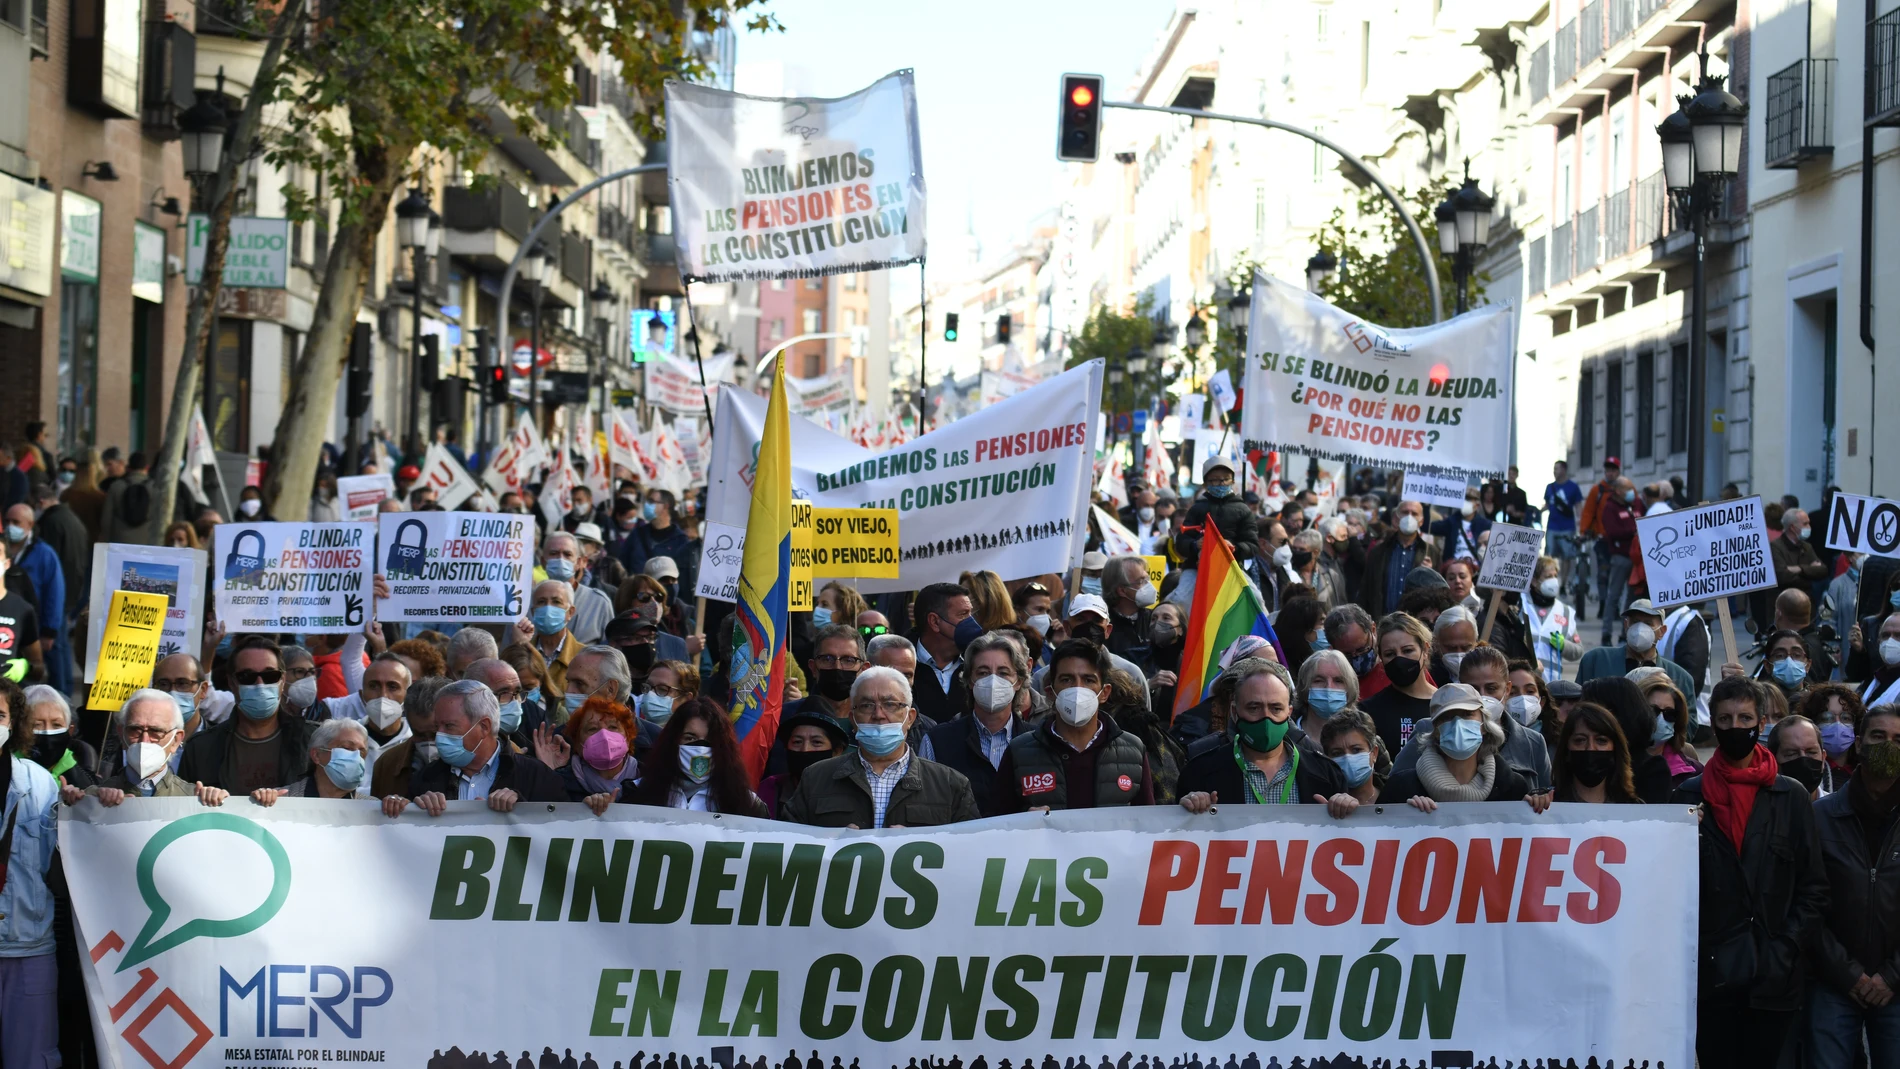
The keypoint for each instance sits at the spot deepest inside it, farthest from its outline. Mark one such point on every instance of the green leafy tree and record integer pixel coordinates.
(382, 85)
(1379, 277)
(1109, 335)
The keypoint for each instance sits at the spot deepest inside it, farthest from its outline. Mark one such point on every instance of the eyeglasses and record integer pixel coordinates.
(298, 673)
(874, 630)
(505, 695)
(268, 675)
(138, 734)
(648, 597)
(181, 683)
(665, 691)
(890, 706)
(847, 662)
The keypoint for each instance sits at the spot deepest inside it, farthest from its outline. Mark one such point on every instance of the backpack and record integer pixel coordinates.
(135, 504)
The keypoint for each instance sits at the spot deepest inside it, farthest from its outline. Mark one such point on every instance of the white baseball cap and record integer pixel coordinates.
(1082, 603)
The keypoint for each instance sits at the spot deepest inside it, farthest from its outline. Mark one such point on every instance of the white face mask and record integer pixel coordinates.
(993, 693)
(1039, 623)
(1147, 515)
(1076, 705)
(1468, 508)
(1550, 587)
(383, 712)
(1525, 707)
(1452, 661)
(249, 507)
(1408, 524)
(1283, 556)
(145, 760)
(1889, 654)
(1641, 638)
(1145, 595)
(303, 693)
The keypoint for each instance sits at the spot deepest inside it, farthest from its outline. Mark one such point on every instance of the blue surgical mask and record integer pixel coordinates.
(1327, 700)
(968, 631)
(549, 619)
(1893, 599)
(258, 700)
(1790, 672)
(1222, 490)
(510, 716)
(1460, 738)
(533, 696)
(1663, 731)
(451, 750)
(880, 740)
(656, 709)
(649, 510)
(346, 769)
(16, 533)
(558, 568)
(1092, 584)
(1629, 495)
(1356, 766)
(820, 616)
(573, 702)
(1320, 641)
(187, 702)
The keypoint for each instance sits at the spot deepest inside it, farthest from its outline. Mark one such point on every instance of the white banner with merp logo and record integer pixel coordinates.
(1323, 382)
(765, 187)
(468, 566)
(1005, 488)
(1265, 931)
(311, 578)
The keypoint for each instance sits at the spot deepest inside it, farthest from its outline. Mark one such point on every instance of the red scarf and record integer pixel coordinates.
(1730, 791)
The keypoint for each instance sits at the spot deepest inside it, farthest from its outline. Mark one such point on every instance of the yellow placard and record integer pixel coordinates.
(801, 556)
(856, 543)
(135, 622)
(1157, 569)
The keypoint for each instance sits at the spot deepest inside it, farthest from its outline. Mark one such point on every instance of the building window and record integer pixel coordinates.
(1320, 27)
(1679, 398)
(1259, 213)
(814, 321)
(1365, 55)
(1645, 405)
(778, 284)
(814, 283)
(1587, 419)
(1613, 407)
(814, 365)
(778, 329)
(850, 318)
(851, 283)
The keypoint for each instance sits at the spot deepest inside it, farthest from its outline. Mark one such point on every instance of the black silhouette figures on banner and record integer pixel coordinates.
(970, 543)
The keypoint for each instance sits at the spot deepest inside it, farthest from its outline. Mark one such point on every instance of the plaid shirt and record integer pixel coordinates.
(1264, 791)
(882, 784)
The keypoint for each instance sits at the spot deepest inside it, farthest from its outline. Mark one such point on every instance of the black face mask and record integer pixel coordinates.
(640, 657)
(1092, 632)
(834, 683)
(48, 749)
(1736, 743)
(1591, 767)
(1807, 771)
(797, 761)
(1402, 671)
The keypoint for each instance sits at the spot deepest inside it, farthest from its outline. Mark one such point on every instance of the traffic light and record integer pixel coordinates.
(496, 384)
(430, 370)
(361, 385)
(1002, 329)
(950, 326)
(1080, 127)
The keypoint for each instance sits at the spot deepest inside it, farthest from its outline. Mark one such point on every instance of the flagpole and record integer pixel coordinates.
(693, 332)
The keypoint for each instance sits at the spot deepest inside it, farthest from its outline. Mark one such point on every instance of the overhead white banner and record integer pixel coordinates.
(470, 566)
(311, 578)
(1271, 932)
(675, 386)
(1323, 382)
(1003, 489)
(176, 573)
(765, 187)
(831, 390)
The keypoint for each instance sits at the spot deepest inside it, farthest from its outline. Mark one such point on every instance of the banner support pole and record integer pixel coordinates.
(1491, 615)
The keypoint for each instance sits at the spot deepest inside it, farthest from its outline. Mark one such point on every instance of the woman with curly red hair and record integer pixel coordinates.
(694, 764)
(590, 750)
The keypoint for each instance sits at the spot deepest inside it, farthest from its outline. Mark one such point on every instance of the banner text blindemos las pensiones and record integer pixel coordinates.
(329, 932)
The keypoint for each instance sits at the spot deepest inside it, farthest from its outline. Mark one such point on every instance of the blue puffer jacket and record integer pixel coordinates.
(26, 906)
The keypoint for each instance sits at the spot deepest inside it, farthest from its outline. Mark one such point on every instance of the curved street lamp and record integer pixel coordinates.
(1464, 229)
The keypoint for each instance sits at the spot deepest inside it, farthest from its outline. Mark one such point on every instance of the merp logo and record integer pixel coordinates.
(281, 989)
(199, 917)
(1371, 340)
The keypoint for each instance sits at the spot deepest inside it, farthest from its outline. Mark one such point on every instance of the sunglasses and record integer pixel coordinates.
(873, 630)
(249, 678)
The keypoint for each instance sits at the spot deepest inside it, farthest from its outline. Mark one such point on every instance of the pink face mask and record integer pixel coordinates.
(604, 750)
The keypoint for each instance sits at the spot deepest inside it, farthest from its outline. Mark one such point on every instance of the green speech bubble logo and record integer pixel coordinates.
(144, 947)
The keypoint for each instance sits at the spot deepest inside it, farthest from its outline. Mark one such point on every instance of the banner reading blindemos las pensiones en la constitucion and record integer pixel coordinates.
(1273, 931)
(795, 188)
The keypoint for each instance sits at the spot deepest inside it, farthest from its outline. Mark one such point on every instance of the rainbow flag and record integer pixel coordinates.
(765, 581)
(1226, 608)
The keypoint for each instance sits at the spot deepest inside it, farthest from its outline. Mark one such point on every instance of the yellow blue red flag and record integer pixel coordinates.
(765, 581)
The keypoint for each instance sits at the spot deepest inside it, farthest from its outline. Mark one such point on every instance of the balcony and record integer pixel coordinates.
(1587, 256)
(1539, 86)
(1616, 225)
(1652, 201)
(1590, 32)
(485, 226)
(1565, 52)
(1594, 53)
(1560, 271)
(1537, 267)
(1622, 19)
(577, 259)
(1886, 72)
(1800, 114)
(230, 18)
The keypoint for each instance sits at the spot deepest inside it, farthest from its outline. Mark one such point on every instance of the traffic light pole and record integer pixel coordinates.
(1425, 254)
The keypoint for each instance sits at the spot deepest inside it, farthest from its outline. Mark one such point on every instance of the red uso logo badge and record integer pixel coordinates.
(1125, 783)
(1041, 783)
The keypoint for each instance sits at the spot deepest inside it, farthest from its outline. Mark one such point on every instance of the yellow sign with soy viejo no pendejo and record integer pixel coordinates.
(855, 543)
(135, 622)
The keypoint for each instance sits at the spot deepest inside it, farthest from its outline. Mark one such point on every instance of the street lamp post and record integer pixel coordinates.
(1702, 150)
(412, 233)
(1464, 229)
(603, 299)
(536, 268)
(1117, 372)
(1320, 268)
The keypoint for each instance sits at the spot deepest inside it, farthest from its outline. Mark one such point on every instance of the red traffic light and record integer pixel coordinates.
(1079, 124)
(1082, 96)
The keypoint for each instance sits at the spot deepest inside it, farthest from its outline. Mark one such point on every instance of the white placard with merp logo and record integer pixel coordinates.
(1433, 490)
(441, 566)
(1708, 552)
(311, 578)
(1510, 557)
(1864, 525)
(721, 553)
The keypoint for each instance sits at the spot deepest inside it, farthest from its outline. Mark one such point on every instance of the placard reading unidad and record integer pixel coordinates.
(765, 187)
(314, 578)
(471, 566)
(1323, 382)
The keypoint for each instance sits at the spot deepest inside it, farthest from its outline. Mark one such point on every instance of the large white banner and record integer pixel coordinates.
(312, 578)
(1265, 931)
(176, 573)
(442, 566)
(765, 187)
(676, 387)
(1003, 489)
(1323, 382)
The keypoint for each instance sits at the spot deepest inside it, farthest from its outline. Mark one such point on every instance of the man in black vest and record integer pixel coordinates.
(996, 667)
(1261, 759)
(1078, 759)
(940, 608)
